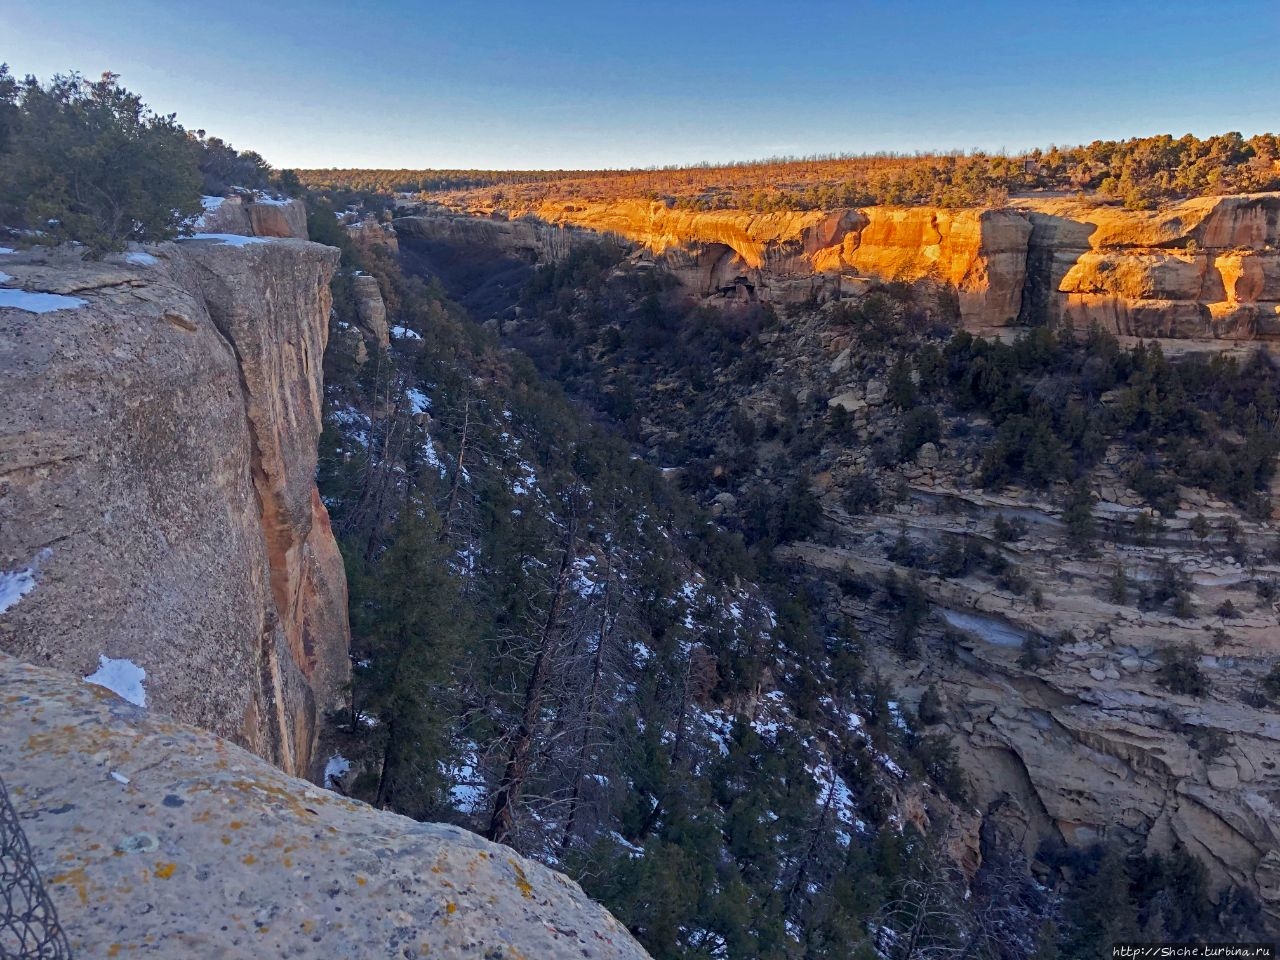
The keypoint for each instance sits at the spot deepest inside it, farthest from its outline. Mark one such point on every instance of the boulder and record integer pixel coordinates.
(278, 218)
(927, 456)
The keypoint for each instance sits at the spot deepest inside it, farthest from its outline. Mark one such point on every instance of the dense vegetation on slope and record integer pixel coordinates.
(1141, 172)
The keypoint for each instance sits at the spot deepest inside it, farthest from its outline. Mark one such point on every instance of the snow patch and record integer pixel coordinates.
(122, 677)
(633, 851)
(404, 333)
(4, 250)
(418, 400)
(37, 302)
(139, 258)
(527, 481)
(227, 239)
(14, 586)
(468, 791)
(335, 769)
(432, 456)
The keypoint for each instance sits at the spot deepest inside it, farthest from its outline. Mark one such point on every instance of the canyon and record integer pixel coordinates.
(1084, 743)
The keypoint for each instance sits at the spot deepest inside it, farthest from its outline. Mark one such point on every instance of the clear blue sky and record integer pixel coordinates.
(590, 83)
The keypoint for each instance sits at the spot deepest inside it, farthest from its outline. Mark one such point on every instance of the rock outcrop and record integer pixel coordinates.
(369, 234)
(1086, 744)
(256, 216)
(159, 453)
(155, 837)
(371, 311)
(1206, 269)
(981, 253)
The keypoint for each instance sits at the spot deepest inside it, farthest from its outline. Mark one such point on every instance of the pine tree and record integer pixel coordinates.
(91, 162)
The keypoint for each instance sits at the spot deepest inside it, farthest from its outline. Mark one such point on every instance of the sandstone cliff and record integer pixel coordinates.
(159, 451)
(531, 238)
(1206, 268)
(154, 837)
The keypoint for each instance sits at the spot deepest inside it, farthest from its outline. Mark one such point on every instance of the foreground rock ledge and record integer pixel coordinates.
(157, 838)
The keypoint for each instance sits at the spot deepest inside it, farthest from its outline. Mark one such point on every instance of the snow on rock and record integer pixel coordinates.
(14, 586)
(834, 792)
(404, 333)
(335, 769)
(432, 457)
(228, 239)
(37, 302)
(580, 583)
(418, 400)
(122, 677)
(210, 204)
(140, 258)
(527, 481)
(633, 851)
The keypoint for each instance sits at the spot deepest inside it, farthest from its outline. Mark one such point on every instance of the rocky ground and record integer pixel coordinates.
(155, 838)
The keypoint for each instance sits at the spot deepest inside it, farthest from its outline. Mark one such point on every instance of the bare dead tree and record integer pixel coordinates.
(938, 915)
(608, 620)
(459, 471)
(516, 772)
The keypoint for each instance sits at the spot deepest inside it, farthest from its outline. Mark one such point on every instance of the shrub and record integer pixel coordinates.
(1271, 683)
(1006, 531)
(1077, 514)
(930, 710)
(861, 495)
(1180, 671)
(91, 162)
(919, 426)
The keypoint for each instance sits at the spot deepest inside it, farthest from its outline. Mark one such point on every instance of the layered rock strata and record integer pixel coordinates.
(1206, 268)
